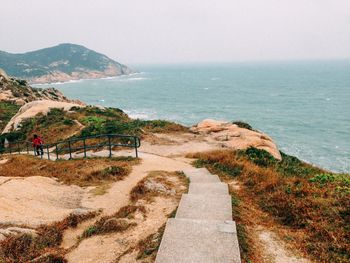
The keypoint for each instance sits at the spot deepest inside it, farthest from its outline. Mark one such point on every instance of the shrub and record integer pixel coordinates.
(242, 124)
(322, 178)
(259, 157)
(68, 122)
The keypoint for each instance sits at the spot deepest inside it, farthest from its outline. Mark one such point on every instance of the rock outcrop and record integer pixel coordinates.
(19, 92)
(231, 135)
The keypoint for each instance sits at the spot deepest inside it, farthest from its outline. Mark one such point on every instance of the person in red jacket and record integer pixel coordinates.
(38, 145)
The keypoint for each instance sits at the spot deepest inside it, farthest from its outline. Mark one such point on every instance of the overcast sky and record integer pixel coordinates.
(176, 31)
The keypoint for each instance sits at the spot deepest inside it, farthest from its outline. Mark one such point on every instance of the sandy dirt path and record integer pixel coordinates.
(118, 194)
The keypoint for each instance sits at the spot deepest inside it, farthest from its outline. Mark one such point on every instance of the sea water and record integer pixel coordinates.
(304, 105)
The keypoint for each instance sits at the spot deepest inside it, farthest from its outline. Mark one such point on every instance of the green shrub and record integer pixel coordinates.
(90, 231)
(244, 125)
(291, 166)
(258, 156)
(232, 171)
(68, 122)
(322, 178)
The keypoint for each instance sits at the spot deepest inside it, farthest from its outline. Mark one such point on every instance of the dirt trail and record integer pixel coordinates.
(111, 247)
(275, 250)
(118, 194)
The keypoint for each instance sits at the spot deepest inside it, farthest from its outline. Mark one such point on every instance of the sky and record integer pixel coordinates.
(182, 31)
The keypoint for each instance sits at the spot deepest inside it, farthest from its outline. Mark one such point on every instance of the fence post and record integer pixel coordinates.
(110, 146)
(56, 152)
(10, 148)
(135, 139)
(19, 149)
(70, 150)
(84, 148)
(27, 147)
(48, 152)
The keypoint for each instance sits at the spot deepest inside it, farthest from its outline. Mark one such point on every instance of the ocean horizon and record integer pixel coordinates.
(303, 105)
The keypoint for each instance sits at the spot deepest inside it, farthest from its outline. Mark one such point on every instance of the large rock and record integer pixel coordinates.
(233, 136)
(31, 109)
(18, 91)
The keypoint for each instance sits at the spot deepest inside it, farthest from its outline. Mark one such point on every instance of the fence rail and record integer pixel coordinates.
(73, 145)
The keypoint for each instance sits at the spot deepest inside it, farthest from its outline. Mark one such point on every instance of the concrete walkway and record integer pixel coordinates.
(202, 230)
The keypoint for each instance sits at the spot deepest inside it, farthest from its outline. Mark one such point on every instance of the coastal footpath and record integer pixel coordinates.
(101, 209)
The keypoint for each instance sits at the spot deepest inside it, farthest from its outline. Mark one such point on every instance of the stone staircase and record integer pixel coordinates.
(202, 230)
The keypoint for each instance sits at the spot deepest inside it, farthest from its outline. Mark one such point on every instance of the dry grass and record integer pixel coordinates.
(149, 246)
(44, 247)
(82, 172)
(313, 204)
(55, 132)
(118, 222)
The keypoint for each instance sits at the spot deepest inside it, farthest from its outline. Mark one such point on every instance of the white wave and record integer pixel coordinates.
(140, 114)
(120, 77)
(126, 79)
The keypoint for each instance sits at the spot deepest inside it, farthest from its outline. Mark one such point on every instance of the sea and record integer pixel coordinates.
(303, 105)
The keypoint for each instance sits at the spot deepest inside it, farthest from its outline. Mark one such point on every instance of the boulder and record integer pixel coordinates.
(233, 136)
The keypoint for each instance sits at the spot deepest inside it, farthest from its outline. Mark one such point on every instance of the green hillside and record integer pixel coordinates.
(64, 58)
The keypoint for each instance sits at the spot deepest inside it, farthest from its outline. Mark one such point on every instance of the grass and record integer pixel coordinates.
(244, 125)
(117, 222)
(149, 246)
(59, 124)
(52, 127)
(25, 247)
(7, 111)
(82, 172)
(297, 195)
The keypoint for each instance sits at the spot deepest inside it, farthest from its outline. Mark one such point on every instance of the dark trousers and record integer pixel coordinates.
(39, 150)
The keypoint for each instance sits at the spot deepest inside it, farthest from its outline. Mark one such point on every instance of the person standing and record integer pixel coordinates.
(38, 145)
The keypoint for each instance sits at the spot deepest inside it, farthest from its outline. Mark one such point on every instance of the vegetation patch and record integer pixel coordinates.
(44, 246)
(118, 222)
(7, 111)
(88, 121)
(148, 247)
(82, 172)
(54, 126)
(244, 125)
(302, 197)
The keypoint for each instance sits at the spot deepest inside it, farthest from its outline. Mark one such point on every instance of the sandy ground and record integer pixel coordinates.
(275, 250)
(36, 200)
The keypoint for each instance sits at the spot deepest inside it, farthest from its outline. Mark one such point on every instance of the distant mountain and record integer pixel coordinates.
(60, 63)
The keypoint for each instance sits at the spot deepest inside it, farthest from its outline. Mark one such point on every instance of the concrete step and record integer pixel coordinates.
(201, 176)
(208, 207)
(199, 241)
(208, 188)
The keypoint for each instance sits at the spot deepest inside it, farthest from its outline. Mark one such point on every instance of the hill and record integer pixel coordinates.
(60, 63)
